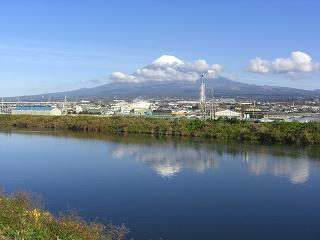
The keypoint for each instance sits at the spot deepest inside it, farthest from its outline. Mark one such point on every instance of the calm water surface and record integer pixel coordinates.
(170, 189)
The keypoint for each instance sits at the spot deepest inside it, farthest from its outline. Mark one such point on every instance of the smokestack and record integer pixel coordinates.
(202, 99)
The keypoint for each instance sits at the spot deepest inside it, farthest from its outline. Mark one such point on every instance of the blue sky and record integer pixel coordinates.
(54, 45)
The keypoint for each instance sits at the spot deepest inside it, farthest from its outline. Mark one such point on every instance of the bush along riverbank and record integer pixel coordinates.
(275, 132)
(22, 218)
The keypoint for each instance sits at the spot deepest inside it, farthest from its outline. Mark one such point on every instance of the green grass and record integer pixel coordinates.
(22, 218)
(276, 132)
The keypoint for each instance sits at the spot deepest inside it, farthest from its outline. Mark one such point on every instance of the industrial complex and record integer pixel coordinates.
(203, 108)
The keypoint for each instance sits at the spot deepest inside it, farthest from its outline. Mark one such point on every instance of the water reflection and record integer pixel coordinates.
(168, 187)
(170, 156)
(297, 170)
(170, 159)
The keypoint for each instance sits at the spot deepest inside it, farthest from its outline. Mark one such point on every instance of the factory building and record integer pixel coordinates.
(47, 111)
(227, 114)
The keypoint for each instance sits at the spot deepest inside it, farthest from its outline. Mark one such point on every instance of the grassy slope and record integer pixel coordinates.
(21, 218)
(296, 133)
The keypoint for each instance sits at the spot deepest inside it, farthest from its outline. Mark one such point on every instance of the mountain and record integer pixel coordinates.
(222, 87)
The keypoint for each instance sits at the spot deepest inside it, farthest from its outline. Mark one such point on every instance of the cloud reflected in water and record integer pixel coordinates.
(297, 170)
(168, 160)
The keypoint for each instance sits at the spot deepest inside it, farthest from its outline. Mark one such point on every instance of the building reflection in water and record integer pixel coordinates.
(169, 159)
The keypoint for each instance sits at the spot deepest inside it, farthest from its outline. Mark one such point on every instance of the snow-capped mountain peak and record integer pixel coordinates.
(167, 60)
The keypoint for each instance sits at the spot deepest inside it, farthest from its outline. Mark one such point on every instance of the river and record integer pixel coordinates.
(168, 188)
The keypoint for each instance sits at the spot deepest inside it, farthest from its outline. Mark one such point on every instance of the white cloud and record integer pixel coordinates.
(298, 62)
(258, 65)
(169, 68)
(121, 77)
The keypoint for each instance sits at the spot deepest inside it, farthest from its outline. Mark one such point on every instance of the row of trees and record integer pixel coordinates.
(276, 132)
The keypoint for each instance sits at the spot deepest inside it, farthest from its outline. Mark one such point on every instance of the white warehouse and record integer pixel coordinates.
(228, 114)
(46, 111)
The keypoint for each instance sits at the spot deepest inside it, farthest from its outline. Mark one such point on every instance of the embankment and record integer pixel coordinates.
(276, 132)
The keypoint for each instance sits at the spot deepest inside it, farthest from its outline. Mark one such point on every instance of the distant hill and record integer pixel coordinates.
(222, 87)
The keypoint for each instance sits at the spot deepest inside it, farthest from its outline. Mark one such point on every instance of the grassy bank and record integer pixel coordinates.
(277, 132)
(22, 218)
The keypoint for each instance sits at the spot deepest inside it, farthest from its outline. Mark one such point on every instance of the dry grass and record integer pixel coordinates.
(22, 218)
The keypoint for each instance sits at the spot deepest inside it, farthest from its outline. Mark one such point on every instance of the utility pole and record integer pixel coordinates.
(211, 105)
(212, 112)
(65, 105)
(2, 105)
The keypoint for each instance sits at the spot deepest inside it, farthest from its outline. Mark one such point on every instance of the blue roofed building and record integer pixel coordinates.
(46, 111)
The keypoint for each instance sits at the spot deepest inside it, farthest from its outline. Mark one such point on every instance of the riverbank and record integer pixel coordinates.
(21, 217)
(276, 132)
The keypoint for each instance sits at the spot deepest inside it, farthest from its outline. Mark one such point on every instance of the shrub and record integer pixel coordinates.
(21, 217)
(281, 132)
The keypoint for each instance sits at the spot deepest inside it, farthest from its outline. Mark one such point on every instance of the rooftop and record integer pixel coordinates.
(33, 108)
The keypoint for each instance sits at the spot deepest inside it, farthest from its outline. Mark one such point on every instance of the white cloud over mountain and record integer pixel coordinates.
(170, 68)
(298, 62)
